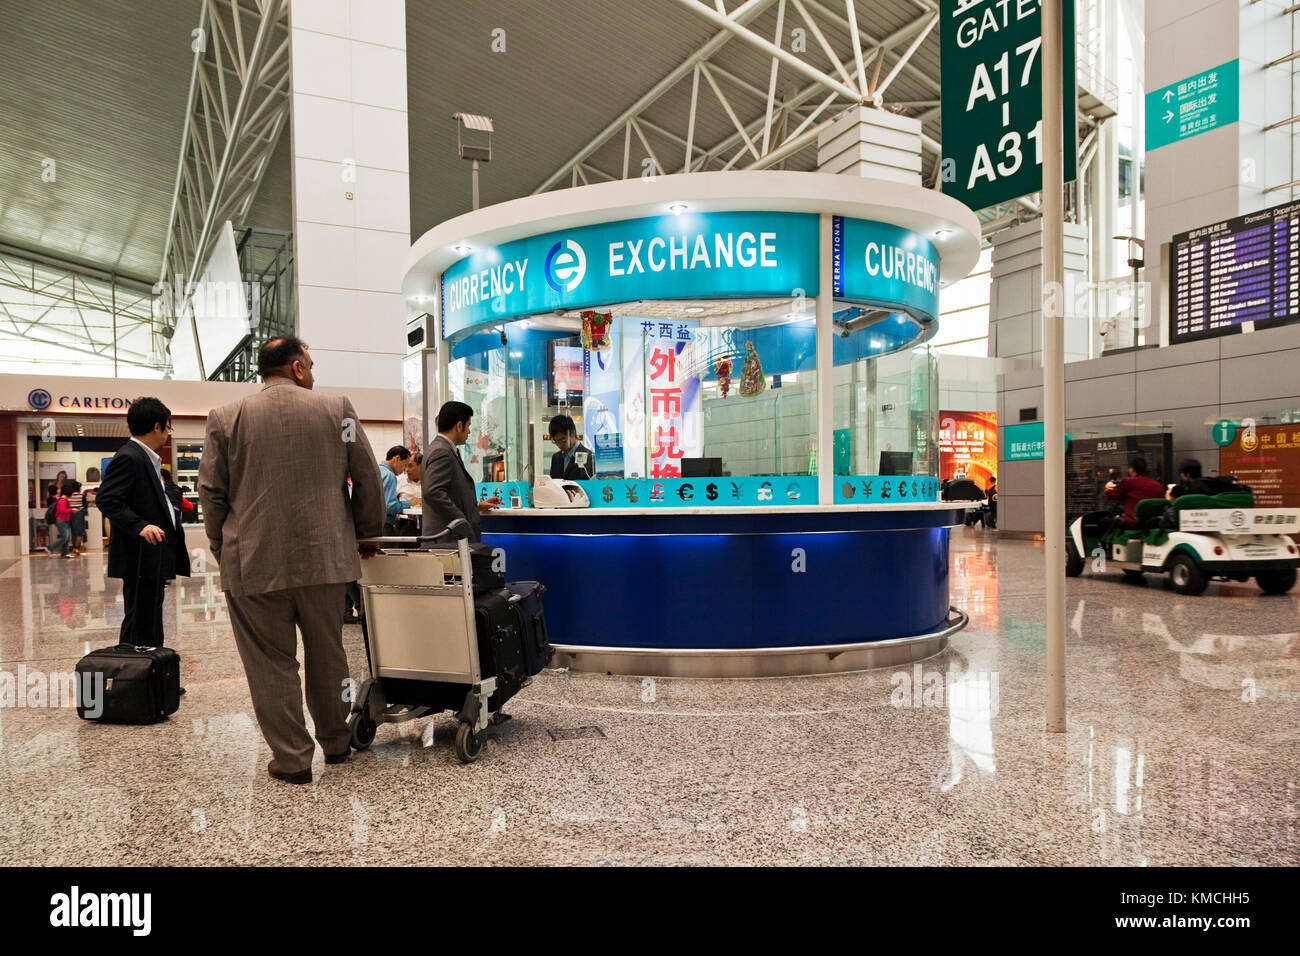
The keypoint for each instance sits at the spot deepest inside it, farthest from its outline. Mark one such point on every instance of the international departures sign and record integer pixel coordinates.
(991, 98)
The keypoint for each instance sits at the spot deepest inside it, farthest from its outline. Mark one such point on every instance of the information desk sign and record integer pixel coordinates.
(1235, 276)
(992, 98)
(1199, 103)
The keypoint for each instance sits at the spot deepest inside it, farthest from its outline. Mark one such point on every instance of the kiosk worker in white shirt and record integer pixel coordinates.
(148, 543)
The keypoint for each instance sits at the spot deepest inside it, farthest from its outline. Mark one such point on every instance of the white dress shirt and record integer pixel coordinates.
(157, 470)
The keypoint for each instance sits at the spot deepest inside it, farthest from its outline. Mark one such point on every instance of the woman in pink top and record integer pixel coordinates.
(63, 522)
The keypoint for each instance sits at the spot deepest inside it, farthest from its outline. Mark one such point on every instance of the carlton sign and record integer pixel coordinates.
(41, 400)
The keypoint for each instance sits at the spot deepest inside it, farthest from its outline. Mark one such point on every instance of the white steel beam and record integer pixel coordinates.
(729, 23)
(743, 14)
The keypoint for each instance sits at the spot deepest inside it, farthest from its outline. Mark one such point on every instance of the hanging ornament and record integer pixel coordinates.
(595, 330)
(722, 369)
(752, 381)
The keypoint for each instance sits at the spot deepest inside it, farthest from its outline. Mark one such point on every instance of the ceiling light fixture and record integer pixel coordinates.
(694, 309)
(464, 248)
(677, 208)
(940, 233)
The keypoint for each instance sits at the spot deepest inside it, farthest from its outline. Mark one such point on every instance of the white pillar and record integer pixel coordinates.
(1054, 362)
(351, 189)
(825, 367)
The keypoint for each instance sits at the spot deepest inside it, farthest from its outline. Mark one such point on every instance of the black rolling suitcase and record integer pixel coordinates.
(532, 625)
(500, 650)
(129, 685)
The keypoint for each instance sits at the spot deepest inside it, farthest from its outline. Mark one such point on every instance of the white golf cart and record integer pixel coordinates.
(1200, 537)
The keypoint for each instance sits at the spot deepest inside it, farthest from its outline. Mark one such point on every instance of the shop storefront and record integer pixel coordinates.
(745, 357)
(54, 424)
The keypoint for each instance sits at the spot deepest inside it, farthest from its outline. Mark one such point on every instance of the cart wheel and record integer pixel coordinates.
(1187, 575)
(1277, 581)
(1073, 559)
(363, 731)
(468, 744)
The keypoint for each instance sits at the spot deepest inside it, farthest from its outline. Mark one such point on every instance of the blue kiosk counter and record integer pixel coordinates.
(734, 369)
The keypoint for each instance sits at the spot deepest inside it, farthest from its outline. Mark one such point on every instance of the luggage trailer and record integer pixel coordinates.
(421, 641)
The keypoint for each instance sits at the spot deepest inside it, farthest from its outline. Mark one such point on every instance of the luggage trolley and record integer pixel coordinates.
(421, 640)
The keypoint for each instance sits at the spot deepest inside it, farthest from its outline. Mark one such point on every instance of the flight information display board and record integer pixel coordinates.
(1236, 276)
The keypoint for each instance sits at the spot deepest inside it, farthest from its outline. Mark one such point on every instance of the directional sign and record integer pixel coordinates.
(992, 98)
(1202, 102)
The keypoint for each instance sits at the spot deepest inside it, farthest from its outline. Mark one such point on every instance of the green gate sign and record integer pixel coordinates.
(1192, 106)
(992, 98)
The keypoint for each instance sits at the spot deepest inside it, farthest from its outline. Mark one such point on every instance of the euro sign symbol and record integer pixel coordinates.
(607, 494)
(711, 491)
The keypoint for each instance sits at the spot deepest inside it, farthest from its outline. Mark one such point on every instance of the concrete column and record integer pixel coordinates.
(1016, 299)
(872, 143)
(351, 190)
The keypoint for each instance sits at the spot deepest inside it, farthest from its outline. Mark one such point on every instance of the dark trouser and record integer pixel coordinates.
(266, 630)
(352, 597)
(142, 624)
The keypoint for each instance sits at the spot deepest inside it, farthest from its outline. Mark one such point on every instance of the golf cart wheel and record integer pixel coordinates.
(363, 730)
(1187, 575)
(468, 744)
(1073, 559)
(1134, 576)
(1276, 581)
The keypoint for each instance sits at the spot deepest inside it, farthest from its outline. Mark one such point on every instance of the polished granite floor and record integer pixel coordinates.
(1182, 747)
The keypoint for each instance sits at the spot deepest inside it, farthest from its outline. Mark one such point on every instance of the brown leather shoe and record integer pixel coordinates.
(274, 770)
(339, 758)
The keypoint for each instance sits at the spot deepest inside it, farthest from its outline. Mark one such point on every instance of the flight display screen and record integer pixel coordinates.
(1236, 276)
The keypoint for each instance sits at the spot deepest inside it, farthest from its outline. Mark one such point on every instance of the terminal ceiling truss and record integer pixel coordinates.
(831, 54)
(238, 106)
(70, 315)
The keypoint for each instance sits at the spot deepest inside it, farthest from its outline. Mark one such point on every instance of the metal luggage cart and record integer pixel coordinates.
(421, 640)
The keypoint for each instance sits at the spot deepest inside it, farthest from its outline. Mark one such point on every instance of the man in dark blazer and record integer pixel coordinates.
(446, 485)
(574, 460)
(147, 544)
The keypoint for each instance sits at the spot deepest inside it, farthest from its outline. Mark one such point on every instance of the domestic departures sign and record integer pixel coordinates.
(992, 98)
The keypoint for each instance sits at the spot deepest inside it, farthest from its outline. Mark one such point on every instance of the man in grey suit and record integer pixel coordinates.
(447, 487)
(273, 483)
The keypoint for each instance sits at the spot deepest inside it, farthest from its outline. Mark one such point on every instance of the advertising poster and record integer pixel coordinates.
(662, 396)
(1267, 458)
(602, 387)
(968, 445)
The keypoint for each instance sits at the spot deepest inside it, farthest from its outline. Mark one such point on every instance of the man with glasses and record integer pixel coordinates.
(147, 546)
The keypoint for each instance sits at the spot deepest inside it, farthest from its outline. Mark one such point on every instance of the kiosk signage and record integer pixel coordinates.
(703, 255)
(879, 264)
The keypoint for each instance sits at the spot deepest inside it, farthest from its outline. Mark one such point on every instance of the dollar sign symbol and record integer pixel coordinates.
(712, 492)
(608, 494)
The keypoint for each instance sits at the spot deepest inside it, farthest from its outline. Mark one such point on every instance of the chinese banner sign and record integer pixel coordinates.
(661, 387)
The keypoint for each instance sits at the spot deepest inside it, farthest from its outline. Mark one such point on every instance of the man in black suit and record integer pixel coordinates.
(574, 460)
(444, 481)
(147, 544)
